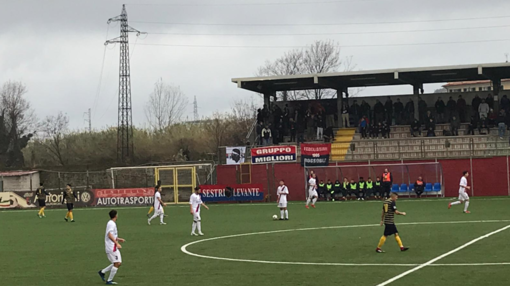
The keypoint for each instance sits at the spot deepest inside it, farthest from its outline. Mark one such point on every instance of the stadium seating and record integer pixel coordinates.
(403, 188)
(428, 187)
(395, 188)
(411, 187)
(436, 187)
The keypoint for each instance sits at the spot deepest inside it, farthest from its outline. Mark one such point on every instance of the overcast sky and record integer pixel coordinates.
(56, 46)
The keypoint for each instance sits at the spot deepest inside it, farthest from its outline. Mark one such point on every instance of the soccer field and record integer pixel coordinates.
(333, 244)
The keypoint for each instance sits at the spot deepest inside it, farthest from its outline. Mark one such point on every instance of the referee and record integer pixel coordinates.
(41, 199)
(388, 219)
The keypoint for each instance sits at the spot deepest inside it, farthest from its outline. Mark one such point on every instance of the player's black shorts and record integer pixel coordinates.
(70, 207)
(390, 229)
(42, 203)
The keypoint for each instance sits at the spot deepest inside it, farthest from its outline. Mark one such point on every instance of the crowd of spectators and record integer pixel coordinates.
(315, 122)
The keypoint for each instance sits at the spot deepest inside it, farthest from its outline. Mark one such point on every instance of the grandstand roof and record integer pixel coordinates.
(399, 76)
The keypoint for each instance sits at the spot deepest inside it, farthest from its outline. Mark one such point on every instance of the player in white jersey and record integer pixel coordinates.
(158, 207)
(282, 194)
(463, 195)
(312, 191)
(195, 201)
(112, 245)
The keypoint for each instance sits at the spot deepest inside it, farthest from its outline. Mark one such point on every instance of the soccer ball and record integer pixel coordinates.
(275, 217)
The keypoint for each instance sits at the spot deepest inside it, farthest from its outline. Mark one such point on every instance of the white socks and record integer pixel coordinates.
(112, 273)
(314, 200)
(161, 216)
(308, 201)
(455, 203)
(193, 227)
(108, 268)
(282, 212)
(153, 216)
(286, 214)
(199, 226)
(466, 205)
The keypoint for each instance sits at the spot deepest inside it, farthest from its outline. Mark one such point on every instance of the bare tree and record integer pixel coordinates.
(320, 57)
(166, 106)
(54, 129)
(19, 115)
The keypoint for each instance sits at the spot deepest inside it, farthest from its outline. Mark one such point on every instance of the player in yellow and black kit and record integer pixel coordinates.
(41, 199)
(388, 219)
(69, 198)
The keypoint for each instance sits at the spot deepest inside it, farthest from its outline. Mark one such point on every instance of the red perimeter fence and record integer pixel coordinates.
(489, 176)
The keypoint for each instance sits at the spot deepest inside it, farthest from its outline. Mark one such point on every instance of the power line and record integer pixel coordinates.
(340, 46)
(321, 24)
(335, 33)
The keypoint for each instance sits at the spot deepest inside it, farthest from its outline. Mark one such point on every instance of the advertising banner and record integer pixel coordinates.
(274, 154)
(235, 155)
(315, 154)
(124, 197)
(232, 193)
(85, 198)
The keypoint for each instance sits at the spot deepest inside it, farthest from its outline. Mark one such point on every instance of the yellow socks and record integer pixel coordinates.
(42, 211)
(151, 210)
(381, 241)
(71, 215)
(399, 241)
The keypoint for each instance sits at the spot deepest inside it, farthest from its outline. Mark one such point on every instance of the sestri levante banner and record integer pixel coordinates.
(274, 154)
(232, 193)
(315, 154)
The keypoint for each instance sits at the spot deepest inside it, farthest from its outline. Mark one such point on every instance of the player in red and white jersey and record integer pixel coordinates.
(195, 201)
(463, 195)
(282, 194)
(158, 207)
(112, 245)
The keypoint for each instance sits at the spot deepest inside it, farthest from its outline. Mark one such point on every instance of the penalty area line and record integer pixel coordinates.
(430, 262)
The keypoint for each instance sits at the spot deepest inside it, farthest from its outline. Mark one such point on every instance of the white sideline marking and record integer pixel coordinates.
(441, 256)
(185, 250)
(271, 204)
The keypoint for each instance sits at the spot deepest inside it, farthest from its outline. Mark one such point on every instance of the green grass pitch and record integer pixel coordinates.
(49, 251)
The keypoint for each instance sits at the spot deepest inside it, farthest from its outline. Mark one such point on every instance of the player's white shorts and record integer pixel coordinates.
(282, 204)
(312, 193)
(196, 216)
(463, 196)
(159, 211)
(114, 256)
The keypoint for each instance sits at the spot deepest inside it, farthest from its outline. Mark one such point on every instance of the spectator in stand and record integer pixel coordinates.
(345, 114)
(378, 112)
(409, 111)
(475, 103)
(490, 100)
(451, 106)
(300, 131)
(422, 110)
(292, 129)
(310, 126)
(329, 134)
(355, 112)
(431, 128)
(473, 124)
(280, 132)
(321, 124)
(380, 129)
(286, 117)
(363, 125)
(260, 126)
(483, 109)
(386, 130)
(501, 123)
(483, 124)
(374, 132)
(428, 117)
(491, 118)
(505, 103)
(440, 109)
(415, 127)
(461, 107)
(266, 136)
(454, 126)
(388, 110)
(366, 110)
(260, 115)
(398, 107)
(419, 187)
